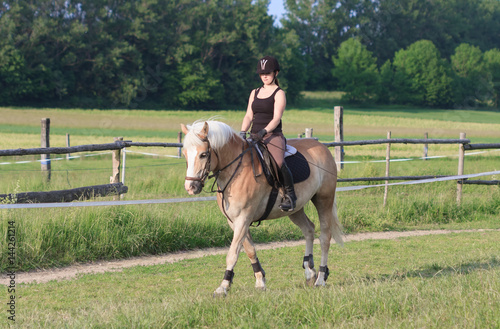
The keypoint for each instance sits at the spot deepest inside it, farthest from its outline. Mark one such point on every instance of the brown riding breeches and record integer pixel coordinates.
(276, 144)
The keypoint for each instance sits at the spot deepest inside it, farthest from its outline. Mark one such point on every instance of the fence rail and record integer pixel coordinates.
(469, 147)
(83, 148)
(119, 144)
(79, 193)
(399, 141)
(370, 179)
(479, 182)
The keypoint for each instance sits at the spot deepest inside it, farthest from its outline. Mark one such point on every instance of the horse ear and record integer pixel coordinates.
(184, 129)
(204, 132)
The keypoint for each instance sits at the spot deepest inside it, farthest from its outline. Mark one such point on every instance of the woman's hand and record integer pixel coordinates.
(258, 136)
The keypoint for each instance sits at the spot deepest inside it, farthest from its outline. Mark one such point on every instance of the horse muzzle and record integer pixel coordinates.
(193, 185)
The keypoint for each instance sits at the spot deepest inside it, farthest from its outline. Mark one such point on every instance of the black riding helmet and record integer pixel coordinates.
(267, 64)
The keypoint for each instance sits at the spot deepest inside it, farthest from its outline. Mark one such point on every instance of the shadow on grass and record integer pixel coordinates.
(435, 270)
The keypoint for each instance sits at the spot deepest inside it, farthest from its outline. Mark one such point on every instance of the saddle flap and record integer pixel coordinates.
(296, 162)
(268, 164)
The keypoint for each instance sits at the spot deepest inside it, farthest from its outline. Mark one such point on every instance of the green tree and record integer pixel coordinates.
(322, 25)
(356, 70)
(468, 64)
(492, 60)
(302, 17)
(385, 95)
(396, 24)
(209, 50)
(292, 77)
(422, 77)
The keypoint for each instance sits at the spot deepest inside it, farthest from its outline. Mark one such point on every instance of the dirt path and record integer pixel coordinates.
(73, 271)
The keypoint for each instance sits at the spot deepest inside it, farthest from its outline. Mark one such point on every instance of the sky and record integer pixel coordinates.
(277, 10)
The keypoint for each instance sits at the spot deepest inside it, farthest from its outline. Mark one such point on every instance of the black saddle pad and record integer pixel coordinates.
(299, 167)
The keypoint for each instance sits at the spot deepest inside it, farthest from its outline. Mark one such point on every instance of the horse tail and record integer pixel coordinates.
(336, 225)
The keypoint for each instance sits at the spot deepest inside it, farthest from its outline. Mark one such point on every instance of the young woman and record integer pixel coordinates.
(264, 111)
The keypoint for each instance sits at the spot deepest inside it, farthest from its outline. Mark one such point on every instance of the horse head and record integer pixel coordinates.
(198, 157)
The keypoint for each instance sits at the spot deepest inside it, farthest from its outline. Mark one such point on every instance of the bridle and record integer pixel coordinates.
(206, 169)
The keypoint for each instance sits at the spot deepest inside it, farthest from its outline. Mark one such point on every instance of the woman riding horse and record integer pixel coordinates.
(264, 111)
(243, 196)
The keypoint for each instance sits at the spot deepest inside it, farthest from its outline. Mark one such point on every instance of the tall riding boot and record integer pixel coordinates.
(288, 203)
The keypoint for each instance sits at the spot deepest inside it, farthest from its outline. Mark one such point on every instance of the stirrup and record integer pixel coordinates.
(287, 206)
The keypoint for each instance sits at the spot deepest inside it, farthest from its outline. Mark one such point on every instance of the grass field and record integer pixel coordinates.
(54, 237)
(446, 281)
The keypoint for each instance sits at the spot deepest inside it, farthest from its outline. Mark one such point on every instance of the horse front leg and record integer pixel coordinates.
(260, 275)
(240, 229)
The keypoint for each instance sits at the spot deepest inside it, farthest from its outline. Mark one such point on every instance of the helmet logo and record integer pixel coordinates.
(263, 63)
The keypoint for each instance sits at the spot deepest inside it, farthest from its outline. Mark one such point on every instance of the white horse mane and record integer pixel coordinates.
(219, 134)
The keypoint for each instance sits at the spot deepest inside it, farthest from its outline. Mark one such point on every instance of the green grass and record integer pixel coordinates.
(55, 237)
(446, 281)
(58, 237)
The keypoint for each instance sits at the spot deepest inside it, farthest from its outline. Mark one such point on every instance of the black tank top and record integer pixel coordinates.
(263, 112)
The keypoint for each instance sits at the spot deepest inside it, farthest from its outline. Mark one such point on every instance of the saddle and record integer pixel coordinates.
(295, 161)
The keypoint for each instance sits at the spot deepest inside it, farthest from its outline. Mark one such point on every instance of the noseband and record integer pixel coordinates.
(206, 170)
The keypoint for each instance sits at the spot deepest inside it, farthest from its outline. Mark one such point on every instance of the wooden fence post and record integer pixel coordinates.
(179, 139)
(426, 146)
(309, 133)
(387, 164)
(115, 178)
(461, 156)
(67, 145)
(124, 162)
(339, 136)
(45, 142)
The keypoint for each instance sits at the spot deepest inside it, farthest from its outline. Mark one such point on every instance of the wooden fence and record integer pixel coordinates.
(119, 144)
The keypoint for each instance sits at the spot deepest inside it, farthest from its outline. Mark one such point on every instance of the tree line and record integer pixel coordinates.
(203, 54)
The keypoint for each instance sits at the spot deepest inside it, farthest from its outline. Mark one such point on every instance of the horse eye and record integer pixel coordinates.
(203, 155)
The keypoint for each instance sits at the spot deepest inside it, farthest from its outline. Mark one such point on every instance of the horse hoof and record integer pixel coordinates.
(320, 282)
(311, 276)
(220, 292)
(260, 285)
(311, 281)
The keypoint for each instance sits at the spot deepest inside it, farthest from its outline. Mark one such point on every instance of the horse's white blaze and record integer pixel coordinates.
(191, 156)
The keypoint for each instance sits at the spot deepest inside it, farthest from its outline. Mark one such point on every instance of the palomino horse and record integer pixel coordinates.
(213, 146)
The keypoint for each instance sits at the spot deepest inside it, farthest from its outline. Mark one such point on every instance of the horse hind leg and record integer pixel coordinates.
(301, 220)
(330, 226)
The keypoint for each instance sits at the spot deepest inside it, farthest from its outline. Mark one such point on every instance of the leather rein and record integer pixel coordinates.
(206, 171)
